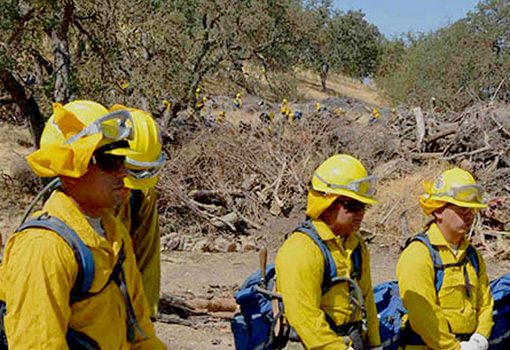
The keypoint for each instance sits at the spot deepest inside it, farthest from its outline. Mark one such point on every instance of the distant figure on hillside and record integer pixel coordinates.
(69, 276)
(295, 116)
(393, 115)
(320, 108)
(339, 111)
(200, 105)
(442, 277)
(284, 109)
(375, 115)
(238, 102)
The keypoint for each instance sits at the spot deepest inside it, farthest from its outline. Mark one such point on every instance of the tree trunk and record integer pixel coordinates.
(324, 75)
(60, 45)
(28, 105)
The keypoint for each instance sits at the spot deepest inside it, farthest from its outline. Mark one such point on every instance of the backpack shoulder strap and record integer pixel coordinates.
(472, 256)
(357, 262)
(83, 255)
(135, 202)
(308, 228)
(434, 255)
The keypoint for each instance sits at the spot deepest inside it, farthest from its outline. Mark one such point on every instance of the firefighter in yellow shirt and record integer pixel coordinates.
(442, 277)
(139, 212)
(40, 270)
(339, 192)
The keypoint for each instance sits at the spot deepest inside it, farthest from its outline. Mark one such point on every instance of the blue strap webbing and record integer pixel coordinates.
(439, 268)
(83, 255)
(437, 262)
(86, 267)
(357, 262)
(329, 263)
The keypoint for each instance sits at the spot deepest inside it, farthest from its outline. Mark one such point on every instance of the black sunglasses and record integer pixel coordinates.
(108, 163)
(352, 206)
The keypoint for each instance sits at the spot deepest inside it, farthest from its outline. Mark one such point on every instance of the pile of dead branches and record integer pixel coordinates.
(478, 140)
(230, 179)
(224, 181)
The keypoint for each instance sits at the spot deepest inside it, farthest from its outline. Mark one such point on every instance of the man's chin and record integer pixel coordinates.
(121, 196)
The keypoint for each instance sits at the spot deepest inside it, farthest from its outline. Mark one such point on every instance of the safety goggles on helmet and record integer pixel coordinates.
(364, 187)
(113, 126)
(149, 169)
(466, 193)
(156, 164)
(141, 174)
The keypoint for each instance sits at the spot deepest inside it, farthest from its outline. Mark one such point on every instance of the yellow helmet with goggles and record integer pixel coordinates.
(74, 132)
(455, 186)
(339, 175)
(143, 167)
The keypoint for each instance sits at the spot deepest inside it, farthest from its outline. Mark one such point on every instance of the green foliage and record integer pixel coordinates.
(165, 49)
(456, 65)
(354, 44)
(345, 41)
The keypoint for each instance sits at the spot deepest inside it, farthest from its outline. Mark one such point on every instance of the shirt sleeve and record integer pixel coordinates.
(485, 302)
(140, 303)
(368, 295)
(144, 232)
(299, 271)
(416, 276)
(40, 269)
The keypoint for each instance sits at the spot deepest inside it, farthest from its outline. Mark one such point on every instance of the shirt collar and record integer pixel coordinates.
(326, 234)
(63, 207)
(437, 238)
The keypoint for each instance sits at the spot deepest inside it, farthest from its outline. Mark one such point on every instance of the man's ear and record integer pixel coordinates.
(438, 213)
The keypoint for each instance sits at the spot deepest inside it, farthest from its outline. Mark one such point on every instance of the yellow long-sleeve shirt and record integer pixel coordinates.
(142, 224)
(39, 270)
(299, 275)
(437, 317)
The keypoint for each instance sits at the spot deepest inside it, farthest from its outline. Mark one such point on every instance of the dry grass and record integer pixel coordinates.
(298, 85)
(398, 214)
(338, 85)
(16, 180)
(14, 145)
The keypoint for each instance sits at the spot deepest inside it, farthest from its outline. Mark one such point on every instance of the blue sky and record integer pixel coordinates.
(397, 16)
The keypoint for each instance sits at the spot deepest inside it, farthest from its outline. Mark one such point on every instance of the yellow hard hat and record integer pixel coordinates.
(339, 175)
(238, 95)
(455, 186)
(144, 166)
(124, 84)
(198, 90)
(284, 100)
(74, 132)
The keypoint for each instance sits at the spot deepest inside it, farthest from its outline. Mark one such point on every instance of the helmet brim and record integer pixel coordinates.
(459, 203)
(354, 195)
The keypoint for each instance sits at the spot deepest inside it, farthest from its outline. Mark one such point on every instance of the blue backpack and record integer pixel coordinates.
(390, 307)
(390, 311)
(254, 326)
(500, 336)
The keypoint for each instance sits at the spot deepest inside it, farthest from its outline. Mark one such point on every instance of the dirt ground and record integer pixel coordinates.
(205, 273)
